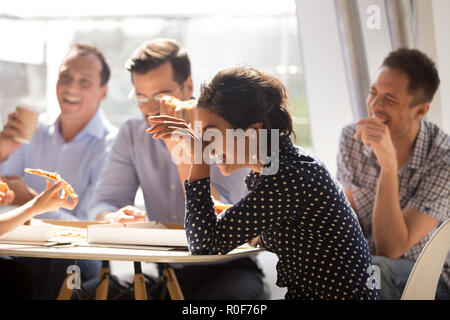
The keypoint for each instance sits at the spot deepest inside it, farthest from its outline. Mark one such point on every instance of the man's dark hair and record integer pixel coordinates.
(154, 53)
(421, 71)
(85, 49)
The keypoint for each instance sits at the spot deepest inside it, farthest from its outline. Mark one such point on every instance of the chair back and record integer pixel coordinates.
(424, 277)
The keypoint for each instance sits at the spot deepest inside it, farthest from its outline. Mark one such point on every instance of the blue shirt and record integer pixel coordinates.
(78, 161)
(136, 159)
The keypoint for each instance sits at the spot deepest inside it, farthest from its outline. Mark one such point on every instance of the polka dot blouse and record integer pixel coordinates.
(302, 216)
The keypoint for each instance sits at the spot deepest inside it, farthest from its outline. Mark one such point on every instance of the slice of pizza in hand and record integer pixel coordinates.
(178, 104)
(220, 207)
(55, 177)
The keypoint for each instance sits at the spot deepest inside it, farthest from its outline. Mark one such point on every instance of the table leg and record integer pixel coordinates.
(102, 288)
(172, 284)
(65, 292)
(140, 292)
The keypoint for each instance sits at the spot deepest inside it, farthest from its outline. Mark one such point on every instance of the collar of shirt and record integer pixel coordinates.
(287, 151)
(96, 127)
(252, 179)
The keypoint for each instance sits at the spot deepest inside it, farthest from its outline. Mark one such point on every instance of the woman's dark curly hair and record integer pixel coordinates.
(243, 96)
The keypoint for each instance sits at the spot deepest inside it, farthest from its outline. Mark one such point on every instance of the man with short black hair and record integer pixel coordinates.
(395, 169)
(162, 67)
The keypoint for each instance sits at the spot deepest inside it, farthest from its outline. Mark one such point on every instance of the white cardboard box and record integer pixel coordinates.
(140, 233)
(49, 230)
(38, 233)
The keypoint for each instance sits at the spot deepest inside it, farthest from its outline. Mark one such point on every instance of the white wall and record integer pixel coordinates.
(377, 41)
(325, 78)
(441, 22)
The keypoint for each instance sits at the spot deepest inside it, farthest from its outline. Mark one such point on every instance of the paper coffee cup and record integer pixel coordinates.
(30, 118)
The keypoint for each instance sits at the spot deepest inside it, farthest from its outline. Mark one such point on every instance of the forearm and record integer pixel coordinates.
(199, 171)
(389, 227)
(3, 156)
(11, 220)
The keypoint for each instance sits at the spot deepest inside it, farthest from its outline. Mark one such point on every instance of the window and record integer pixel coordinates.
(261, 34)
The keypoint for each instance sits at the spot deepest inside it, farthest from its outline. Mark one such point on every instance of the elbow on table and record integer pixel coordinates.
(196, 249)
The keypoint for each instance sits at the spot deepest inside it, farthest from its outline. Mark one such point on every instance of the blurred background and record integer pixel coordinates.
(326, 52)
(36, 34)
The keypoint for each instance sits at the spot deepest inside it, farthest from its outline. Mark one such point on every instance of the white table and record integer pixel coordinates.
(136, 254)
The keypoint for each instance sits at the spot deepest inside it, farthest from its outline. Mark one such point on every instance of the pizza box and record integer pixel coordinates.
(36, 230)
(39, 233)
(138, 233)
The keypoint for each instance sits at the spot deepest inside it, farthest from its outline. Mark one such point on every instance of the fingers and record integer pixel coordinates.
(132, 211)
(368, 131)
(54, 190)
(14, 127)
(124, 218)
(369, 136)
(172, 132)
(130, 214)
(372, 126)
(13, 116)
(162, 118)
(373, 120)
(69, 204)
(161, 125)
(167, 128)
(10, 195)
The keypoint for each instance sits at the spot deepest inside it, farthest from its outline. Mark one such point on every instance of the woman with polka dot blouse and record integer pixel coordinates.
(299, 210)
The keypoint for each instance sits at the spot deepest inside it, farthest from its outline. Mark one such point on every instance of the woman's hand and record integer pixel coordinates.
(166, 127)
(49, 200)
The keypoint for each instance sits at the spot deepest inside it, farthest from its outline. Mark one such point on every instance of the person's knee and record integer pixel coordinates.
(382, 262)
(238, 285)
(394, 274)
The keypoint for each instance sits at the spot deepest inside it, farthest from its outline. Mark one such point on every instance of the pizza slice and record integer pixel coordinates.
(178, 104)
(55, 177)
